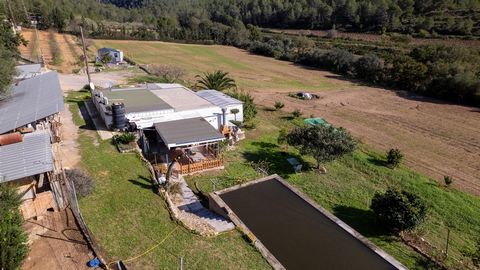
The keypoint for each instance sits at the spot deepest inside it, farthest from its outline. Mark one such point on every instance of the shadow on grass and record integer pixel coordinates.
(84, 113)
(363, 221)
(142, 182)
(287, 117)
(269, 109)
(378, 162)
(276, 158)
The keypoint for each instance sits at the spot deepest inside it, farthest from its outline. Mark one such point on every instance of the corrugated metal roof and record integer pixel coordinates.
(30, 157)
(218, 98)
(31, 100)
(104, 50)
(27, 71)
(187, 131)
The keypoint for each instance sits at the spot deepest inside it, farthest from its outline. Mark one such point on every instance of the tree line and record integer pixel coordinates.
(450, 73)
(459, 17)
(9, 42)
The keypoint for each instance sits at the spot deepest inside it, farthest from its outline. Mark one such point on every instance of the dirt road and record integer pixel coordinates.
(437, 139)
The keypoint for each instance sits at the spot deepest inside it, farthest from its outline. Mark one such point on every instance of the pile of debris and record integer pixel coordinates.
(304, 95)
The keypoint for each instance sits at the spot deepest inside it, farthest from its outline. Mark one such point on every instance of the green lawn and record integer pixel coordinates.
(127, 218)
(347, 188)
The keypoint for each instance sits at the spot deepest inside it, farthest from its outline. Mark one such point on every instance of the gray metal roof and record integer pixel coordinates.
(218, 98)
(30, 157)
(28, 71)
(31, 100)
(104, 50)
(187, 131)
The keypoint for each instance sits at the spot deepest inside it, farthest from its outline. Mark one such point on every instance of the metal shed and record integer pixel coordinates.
(31, 100)
(30, 157)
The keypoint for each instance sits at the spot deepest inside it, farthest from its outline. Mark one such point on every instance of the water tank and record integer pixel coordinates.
(118, 115)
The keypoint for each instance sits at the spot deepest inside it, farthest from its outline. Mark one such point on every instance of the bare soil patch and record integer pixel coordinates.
(56, 243)
(437, 139)
(69, 49)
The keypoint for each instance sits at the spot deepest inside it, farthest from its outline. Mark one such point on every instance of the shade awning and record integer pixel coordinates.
(187, 131)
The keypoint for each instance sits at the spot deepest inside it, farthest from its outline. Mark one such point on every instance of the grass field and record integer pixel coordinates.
(127, 218)
(346, 190)
(196, 59)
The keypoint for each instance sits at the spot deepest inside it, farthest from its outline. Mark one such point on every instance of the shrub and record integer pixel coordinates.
(249, 107)
(175, 188)
(369, 67)
(448, 180)
(236, 123)
(124, 138)
(13, 240)
(297, 113)
(82, 181)
(169, 74)
(398, 210)
(394, 157)
(279, 105)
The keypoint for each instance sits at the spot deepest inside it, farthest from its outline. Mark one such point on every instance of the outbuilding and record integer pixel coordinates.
(116, 56)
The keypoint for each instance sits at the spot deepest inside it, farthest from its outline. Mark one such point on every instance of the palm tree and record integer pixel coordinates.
(217, 80)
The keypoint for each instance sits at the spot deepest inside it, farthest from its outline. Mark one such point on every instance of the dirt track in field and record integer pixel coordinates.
(66, 44)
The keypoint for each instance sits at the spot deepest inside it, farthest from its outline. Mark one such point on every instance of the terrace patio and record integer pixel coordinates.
(193, 143)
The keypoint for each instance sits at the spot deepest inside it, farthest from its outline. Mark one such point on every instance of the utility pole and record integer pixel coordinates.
(85, 56)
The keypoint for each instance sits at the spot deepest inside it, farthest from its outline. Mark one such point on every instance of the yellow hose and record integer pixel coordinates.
(148, 250)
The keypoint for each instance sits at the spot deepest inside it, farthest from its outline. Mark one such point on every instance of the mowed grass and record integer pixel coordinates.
(252, 72)
(127, 218)
(346, 190)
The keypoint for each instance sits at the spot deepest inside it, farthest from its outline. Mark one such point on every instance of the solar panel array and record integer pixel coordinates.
(218, 98)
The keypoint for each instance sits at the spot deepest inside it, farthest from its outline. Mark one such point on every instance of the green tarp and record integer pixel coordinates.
(316, 121)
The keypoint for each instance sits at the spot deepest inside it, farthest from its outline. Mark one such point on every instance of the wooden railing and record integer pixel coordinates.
(201, 165)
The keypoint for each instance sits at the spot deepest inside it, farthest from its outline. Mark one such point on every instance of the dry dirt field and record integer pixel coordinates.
(437, 139)
(40, 43)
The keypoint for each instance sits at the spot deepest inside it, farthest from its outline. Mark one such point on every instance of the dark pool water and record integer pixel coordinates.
(296, 233)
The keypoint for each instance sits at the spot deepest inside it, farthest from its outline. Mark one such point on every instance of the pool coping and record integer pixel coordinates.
(218, 205)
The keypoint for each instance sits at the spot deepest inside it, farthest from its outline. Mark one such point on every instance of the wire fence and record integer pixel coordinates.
(71, 197)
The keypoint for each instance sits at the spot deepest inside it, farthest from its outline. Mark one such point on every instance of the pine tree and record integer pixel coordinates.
(13, 247)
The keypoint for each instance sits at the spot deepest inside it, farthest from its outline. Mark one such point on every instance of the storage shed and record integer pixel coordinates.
(115, 55)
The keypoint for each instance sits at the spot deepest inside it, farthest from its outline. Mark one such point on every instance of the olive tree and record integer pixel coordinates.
(324, 143)
(398, 210)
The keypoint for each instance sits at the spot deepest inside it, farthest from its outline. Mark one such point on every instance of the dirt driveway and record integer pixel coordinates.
(437, 139)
